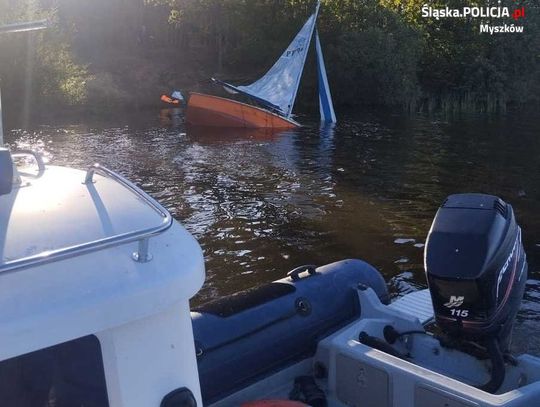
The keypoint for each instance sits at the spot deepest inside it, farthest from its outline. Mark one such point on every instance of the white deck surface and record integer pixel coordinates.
(56, 210)
(417, 304)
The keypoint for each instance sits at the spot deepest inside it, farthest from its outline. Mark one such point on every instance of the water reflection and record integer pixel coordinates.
(215, 135)
(261, 204)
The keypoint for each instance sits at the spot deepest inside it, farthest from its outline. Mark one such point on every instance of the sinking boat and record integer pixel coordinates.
(272, 97)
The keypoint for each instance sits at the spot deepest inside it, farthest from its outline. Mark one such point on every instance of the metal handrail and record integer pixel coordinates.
(155, 205)
(142, 236)
(24, 26)
(36, 155)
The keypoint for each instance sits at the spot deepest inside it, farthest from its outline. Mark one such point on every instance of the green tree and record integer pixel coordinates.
(38, 66)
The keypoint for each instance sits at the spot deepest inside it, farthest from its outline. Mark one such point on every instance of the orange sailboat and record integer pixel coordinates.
(272, 97)
(207, 110)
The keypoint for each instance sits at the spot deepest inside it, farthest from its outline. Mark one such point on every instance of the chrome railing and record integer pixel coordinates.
(141, 236)
(31, 153)
(24, 26)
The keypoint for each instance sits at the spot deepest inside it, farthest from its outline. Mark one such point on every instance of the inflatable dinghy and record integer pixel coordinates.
(252, 334)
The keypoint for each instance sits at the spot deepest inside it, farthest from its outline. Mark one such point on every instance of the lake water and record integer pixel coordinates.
(262, 204)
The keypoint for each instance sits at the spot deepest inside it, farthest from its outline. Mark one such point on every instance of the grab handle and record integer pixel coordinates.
(31, 153)
(294, 274)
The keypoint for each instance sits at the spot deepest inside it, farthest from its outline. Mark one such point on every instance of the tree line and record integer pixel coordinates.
(378, 52)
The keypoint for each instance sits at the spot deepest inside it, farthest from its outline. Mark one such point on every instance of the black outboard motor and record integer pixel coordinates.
(476, 270)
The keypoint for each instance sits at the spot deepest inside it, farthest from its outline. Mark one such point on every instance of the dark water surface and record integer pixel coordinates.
(260, 205)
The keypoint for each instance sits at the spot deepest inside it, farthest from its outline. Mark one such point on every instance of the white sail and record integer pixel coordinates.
(326, 106)
(280, 84)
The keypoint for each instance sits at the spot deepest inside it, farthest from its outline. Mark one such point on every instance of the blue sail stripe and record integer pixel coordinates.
(325, 99)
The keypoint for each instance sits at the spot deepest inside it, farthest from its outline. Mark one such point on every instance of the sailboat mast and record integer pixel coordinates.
(289, 111)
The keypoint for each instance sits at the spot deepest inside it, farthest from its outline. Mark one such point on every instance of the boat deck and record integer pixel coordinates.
(57, 212)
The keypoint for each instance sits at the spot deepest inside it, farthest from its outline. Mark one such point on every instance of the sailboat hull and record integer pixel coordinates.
(213, 111)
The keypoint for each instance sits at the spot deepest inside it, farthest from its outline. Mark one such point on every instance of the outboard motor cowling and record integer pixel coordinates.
(476, 271)
(476, 268)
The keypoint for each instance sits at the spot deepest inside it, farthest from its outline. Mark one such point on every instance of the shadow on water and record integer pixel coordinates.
(261, 204)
